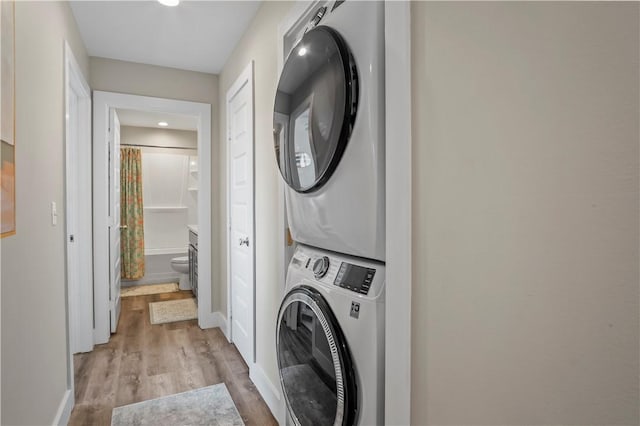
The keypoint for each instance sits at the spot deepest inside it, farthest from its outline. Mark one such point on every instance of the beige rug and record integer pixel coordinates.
(144, 290)
(173, 311)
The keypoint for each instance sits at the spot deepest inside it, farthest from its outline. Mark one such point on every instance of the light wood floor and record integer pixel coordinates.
(144, 361)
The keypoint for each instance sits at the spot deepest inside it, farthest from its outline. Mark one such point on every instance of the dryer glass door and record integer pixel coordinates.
(314, 362)
(314, 109)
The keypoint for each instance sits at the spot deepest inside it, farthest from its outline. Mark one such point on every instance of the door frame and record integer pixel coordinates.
(399, 236)
(245, 78)
(102, 102)
(397, 28)
(114, 225)
(79, 294)
(80, 297)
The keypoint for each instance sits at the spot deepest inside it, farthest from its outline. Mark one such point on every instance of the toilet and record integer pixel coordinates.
(181, 265)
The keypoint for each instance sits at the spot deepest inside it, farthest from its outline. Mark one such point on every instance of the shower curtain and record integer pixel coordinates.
(131, 214)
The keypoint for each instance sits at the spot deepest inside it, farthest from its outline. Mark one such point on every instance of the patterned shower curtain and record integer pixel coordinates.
(131, 214)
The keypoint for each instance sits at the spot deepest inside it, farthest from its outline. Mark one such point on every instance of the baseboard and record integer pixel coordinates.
(268, 391)
(64, 410)
(213, 320)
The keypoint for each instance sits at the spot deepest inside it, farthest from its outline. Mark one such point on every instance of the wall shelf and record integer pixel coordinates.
(165, 209)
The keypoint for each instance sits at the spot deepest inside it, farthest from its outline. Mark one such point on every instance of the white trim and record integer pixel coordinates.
(216, 320)
(103, 101)
(245, 78)
(80, 297)
(64, 409)
(79, 309)
(398, 213)
(268, 391)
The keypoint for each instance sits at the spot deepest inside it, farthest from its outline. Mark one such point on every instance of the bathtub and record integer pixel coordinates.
(158, 266)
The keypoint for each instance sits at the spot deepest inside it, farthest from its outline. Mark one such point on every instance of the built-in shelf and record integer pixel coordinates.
(166, 209)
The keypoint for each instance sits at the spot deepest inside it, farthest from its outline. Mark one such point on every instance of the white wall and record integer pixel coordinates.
(526, 203)
(259, 44)
(34, 330)
(167, 199)
(170, 203)
(159, 137)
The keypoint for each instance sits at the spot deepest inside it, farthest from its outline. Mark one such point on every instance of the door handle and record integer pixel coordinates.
(245, 241)
(123, 227)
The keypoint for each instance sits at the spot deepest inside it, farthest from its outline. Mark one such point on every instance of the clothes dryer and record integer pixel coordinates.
(330, 339)
(329, 130)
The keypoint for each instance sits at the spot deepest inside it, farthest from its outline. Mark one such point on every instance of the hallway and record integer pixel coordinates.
(144, 361)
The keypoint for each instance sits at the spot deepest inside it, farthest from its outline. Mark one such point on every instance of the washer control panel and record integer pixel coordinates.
(355, 278)
(361, 276)
(320, 266)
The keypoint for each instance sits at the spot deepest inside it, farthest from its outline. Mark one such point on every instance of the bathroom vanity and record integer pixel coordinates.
(193, 259)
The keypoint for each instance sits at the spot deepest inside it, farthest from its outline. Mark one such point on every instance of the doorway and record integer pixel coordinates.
(104, 103)
(78, 233)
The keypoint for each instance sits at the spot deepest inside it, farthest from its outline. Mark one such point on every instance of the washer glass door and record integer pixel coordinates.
(314, 109)
(314, 362)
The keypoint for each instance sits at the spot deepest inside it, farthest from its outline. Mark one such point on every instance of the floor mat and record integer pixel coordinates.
(144, 290)
(173, 311)
(205, 406)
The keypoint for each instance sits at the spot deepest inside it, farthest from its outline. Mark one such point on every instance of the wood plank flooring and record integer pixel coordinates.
(144, 361)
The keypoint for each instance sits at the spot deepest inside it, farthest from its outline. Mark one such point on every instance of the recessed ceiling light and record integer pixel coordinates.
(302, 51)
(169, 2)
(163, 124)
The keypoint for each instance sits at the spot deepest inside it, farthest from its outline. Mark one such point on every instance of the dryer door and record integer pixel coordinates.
(316, 372)
(315, 108)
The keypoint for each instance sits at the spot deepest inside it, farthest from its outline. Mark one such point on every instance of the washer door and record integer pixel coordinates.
(315, 108)
(314, 362)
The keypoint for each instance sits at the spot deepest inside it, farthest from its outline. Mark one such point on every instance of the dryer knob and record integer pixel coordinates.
(320, 267)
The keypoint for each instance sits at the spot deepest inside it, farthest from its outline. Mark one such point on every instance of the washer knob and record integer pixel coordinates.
(320, 267)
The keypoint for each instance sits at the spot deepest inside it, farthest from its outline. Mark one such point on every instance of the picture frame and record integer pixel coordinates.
(7, 120)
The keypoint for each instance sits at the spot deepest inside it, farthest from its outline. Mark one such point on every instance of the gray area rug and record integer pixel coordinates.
(205, 406)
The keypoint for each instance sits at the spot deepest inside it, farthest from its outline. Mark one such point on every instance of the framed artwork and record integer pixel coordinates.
(7, 119)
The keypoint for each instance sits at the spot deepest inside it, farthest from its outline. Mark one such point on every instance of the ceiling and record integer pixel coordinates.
(195, 35)
(130, 117)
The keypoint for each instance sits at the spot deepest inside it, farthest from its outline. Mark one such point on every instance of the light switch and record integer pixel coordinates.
(54, 214)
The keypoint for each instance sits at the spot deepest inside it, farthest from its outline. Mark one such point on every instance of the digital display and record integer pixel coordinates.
(355, 278)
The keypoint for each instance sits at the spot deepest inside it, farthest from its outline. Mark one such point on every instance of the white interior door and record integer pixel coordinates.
(78, 207)
(114, 219)
(72, 190)
(241, 213)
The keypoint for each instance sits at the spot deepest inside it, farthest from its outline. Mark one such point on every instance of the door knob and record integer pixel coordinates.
(123, 227)
(244, 241)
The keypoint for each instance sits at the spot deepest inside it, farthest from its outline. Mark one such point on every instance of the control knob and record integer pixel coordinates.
(320, 267)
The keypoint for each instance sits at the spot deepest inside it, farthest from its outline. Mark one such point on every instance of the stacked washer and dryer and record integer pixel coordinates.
(329, 143)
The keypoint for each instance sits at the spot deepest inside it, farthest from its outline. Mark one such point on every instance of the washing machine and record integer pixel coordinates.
(329, 130)
(330, 339)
